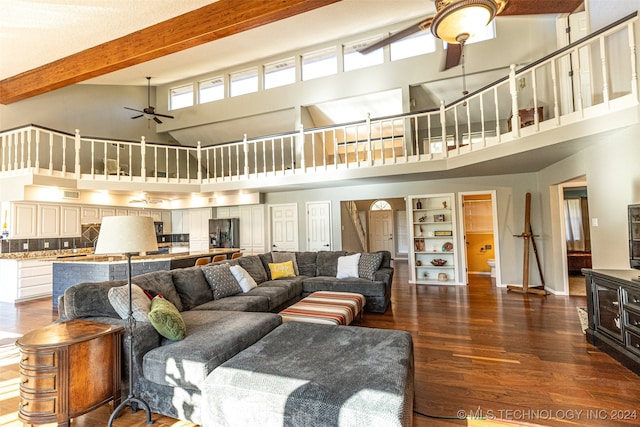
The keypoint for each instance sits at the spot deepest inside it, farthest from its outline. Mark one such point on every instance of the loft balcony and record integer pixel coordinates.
(524, 121)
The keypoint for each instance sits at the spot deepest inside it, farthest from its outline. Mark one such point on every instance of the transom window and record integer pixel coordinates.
(414, 45)
(280, 73)
(319, 63)
(211, 89)
(380, 205)
(181, 97)
(354, 60)
(243, 82)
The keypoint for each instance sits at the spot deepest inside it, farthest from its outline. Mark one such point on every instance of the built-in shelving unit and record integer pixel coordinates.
(433, 248)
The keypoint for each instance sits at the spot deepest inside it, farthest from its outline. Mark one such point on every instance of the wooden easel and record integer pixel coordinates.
(528, 236)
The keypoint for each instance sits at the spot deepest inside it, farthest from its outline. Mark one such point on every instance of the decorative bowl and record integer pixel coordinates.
(438, 262)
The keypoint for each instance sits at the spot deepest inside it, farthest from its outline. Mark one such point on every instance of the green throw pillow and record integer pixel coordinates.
(165, 317)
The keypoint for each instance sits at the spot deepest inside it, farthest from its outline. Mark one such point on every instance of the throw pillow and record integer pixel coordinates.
(243, 278)
(166, 319)
(348, 266)
(221, 280)
(369, 264)
(279, 257)
(119, 299)
(281, 270)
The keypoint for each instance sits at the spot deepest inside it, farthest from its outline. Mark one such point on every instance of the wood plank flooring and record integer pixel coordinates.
(500, 358)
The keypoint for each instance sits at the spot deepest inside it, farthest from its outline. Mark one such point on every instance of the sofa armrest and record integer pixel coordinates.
(384, 274)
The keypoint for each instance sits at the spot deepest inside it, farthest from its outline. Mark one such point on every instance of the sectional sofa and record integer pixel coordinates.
(169, 375)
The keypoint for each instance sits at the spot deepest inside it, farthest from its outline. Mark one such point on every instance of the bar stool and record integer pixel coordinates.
(220, 257)
(236, 255)
(203, 261)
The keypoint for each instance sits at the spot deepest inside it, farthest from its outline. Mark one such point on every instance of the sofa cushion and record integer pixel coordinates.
(348, 266)
(386, 259)
(212, 338)
(293, 285)
(254, 267)
(166, 319)
(365, 287)
(266, 259)
(276, 295)
(243, 278)
(192, 287)
(240, 302)
(90, 300)
(327, 262)
(221, 280)
(306, 263)
(160, 282)
(281, 270)
(369, 264)
(279, 257)
(140, 302)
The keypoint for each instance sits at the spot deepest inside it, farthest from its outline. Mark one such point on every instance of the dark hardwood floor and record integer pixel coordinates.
(500, 358)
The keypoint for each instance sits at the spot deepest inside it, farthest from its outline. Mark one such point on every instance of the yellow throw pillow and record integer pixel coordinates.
(282, 269)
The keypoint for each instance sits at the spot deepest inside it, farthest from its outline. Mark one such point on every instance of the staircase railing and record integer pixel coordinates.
(534, 98)
(357, 224)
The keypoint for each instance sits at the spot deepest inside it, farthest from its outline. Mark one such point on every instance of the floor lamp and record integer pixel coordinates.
(128, 235)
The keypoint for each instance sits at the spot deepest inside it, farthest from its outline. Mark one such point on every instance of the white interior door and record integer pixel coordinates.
(284, 227)
(381, 231)
(319, 226)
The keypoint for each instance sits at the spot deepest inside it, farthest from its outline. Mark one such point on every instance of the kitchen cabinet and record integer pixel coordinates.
(228, 212)
(180, 221)
(107, 212)
(433, 239)
(166, 216)
(23, 223)
(122, 212)
(252, 229)
(48, 220)
(70, 221)
(90, 215)
(199, 229)
(24, 280)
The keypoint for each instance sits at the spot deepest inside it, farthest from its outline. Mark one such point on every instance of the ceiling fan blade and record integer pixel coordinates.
(163, 115)
(454, 53)
(538, 7)
(157, 120)
(420, 26)
(138, 116)
(133, 109)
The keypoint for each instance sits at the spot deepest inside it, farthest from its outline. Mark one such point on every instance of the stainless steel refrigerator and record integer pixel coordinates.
(224, 233)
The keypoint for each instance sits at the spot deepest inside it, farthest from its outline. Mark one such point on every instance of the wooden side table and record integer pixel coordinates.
(68, 369)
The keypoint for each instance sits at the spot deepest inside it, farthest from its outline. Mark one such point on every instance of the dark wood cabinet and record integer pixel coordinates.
(613, 304)
(68, 369)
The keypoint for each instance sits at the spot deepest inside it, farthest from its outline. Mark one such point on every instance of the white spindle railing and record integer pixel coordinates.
(486, 117)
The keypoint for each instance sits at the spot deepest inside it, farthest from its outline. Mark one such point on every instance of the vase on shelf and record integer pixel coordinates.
(419, 205)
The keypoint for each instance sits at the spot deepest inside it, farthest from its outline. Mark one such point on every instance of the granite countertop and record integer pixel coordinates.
(180, 253)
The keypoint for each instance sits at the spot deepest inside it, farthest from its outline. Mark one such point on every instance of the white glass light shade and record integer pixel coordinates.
(464, 17)
(126, 234)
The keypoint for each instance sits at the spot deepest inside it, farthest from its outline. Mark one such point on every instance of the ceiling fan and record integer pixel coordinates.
(456, 21)
(149, 112)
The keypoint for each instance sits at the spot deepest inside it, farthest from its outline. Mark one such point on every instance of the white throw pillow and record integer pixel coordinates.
(243, 278)
(140, 302)
(348, 266)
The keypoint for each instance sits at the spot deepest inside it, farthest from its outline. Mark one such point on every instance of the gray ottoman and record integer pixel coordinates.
(305, 374)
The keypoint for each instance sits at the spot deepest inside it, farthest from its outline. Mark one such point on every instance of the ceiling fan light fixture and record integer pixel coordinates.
(456, 21)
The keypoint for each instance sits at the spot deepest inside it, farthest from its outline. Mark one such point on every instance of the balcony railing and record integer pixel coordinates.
(544, 95)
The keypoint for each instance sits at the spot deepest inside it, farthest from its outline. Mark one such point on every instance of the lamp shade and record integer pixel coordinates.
(126, 234)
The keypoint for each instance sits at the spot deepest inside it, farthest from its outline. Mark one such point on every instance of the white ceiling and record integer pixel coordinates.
(47, 30)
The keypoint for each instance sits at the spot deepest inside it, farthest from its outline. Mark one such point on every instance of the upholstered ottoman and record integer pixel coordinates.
(331, 308)
(304, 374)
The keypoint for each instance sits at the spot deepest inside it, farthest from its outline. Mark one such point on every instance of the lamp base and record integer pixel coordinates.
(133, 402)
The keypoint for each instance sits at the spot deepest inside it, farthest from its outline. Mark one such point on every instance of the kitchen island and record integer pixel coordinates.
(70, 270)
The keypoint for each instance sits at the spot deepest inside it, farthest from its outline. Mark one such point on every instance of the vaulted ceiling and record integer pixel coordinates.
(49, 44)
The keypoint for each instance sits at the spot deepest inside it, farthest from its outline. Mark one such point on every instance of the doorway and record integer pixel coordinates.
(577, 234)
(479, 225)
(381, 236)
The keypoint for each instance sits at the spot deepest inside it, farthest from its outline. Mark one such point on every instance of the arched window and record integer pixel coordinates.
(380, 205)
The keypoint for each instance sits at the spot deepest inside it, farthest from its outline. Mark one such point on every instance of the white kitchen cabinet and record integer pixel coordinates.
(24, 222)
(166, 222)
(107, 212)
(156, 214)
(70, 221)
(180, 221)
(199, 229)
(132, 212)
(228, 212)
(48, 220)
(122, 212)
(90, 215)
(24, 280)
(252, 229)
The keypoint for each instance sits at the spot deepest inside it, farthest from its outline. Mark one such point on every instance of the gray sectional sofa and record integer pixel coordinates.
(169, 375)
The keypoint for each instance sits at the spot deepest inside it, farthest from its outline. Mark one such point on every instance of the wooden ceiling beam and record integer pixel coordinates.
(212, 22)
